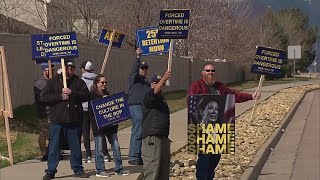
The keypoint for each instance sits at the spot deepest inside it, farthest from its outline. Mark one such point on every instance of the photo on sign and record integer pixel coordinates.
(211, 124)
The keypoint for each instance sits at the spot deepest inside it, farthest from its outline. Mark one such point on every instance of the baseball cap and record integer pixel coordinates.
(87, 65)
(143, 64)
(45, 66)
(69, 63)
(156, 78)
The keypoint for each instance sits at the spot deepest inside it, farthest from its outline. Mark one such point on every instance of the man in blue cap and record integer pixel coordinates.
(42, 111)
(138, 87)
(155, 131)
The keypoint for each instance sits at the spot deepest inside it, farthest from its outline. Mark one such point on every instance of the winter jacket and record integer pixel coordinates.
(65, 111)
(138, 85)
(88, 78)
(156, 115)
(108, 130)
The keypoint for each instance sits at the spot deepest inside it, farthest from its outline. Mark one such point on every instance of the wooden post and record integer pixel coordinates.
(255, 101)
(108, 52)
(7, 109)
(170, 60)
(6, 121)
(64, 76)
(50, 69)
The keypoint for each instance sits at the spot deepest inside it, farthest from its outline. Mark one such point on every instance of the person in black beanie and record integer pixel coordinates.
(155, 131)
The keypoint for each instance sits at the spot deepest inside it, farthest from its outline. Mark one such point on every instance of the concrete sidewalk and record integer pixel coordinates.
(296, 156)
(33, 169)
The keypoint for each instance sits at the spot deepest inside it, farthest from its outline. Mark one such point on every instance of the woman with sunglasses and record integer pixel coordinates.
(99, 90)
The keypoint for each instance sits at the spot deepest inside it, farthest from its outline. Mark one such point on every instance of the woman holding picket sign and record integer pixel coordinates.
(99, 90)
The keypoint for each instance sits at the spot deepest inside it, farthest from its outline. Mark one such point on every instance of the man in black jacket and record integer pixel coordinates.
(155, 132)
(138, 87)
(65, 117)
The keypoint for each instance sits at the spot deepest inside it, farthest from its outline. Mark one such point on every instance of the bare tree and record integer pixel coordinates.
(11, 11)
(136, 15)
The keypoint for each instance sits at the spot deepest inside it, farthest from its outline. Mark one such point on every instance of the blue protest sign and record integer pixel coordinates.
(268, 61)
(174, 24)
(105, 36)
(148, 42)
(45, 61)
(54, 46)
(111, 109)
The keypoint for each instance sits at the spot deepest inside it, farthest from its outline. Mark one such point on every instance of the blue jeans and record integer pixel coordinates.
(206, 164)
(99, 158)
(136, 133)
(73, 133)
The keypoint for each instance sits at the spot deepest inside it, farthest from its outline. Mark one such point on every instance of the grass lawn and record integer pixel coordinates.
(23, 132)
(25, 128)
(254, 84)
(25, 147)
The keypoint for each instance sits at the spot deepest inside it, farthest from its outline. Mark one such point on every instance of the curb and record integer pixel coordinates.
(253, 170)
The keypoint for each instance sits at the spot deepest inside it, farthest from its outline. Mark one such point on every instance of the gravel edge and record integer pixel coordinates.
(260, 158)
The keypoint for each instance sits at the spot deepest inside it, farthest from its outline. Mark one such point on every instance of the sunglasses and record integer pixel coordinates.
(103, 82)
(144, 68)
(208, 70)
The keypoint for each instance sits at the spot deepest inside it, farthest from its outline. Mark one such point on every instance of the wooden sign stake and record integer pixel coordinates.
(170, 60)
(255, 101)
(50, 69)
(7, 108)
(64, 76)
(108, 52)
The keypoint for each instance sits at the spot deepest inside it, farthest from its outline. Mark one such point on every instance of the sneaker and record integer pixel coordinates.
(102, 174)
(107, 159)
(81, 175)
(87, 160)
(44, 158)
(48, 176)
(123, 172)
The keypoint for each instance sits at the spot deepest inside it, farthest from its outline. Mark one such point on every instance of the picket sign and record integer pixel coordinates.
(108, 52)
(5, 101)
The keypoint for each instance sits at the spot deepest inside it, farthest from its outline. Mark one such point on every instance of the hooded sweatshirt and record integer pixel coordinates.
(88, 78)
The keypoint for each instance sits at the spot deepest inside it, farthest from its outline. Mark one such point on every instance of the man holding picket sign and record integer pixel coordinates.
(64, 94)
(65, 116)
(207, 163)
(138, 87)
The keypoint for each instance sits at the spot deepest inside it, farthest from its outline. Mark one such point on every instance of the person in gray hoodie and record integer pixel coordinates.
(88, 76)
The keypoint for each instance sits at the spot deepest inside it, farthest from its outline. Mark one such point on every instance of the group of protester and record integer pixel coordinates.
(65, 113)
